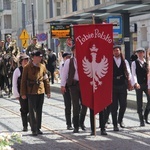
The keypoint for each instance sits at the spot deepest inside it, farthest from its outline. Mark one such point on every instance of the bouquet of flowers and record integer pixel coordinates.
(6, 140)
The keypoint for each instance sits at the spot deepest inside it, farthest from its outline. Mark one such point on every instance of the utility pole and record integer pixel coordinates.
(33, 27)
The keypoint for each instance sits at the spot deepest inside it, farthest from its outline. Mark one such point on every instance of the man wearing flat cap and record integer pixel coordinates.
(66, 95)
(140, 72)
(34, 85)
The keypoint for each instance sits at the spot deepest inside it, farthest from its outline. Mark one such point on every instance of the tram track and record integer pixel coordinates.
(45, 127)
(65, 136)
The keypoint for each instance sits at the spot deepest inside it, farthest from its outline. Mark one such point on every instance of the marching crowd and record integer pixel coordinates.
(124, 79)
(29, 80)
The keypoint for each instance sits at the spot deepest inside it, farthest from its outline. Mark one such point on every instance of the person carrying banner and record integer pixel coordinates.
(121, 82)
(102, 122)
(66, 95)
(140, 73)
(70, 76)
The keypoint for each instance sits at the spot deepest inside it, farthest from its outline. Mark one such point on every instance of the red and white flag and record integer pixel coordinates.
(94, 52)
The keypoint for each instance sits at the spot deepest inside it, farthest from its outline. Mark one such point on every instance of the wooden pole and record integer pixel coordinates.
(93, 21)
(93, 18)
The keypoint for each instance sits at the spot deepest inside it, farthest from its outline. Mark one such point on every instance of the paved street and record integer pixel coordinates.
(56, 137)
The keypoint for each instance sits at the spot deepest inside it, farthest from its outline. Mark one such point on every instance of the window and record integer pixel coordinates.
(7, 21)
(74, 5)
(47, 9)
(58, 8)
(97, 2)
(7, 5)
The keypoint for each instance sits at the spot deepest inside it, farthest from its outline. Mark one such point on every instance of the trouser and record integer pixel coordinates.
(2, 79)
(139, 98)
(107, 113)
(67, 103)
(79, 110)
(52, 75)
(35, 110)
(119, 97)
(24, 111)
(102, 120)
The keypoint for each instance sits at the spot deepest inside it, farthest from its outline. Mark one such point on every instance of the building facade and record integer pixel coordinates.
(16, 15)
(5, 18)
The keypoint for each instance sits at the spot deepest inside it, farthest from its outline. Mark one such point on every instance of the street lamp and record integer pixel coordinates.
(33, 28)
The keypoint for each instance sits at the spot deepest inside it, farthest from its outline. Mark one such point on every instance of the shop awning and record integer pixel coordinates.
(102, 11)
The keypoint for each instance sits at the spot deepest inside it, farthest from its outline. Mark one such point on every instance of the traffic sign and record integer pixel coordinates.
(25, 43)
(117, 26)
(24, 35)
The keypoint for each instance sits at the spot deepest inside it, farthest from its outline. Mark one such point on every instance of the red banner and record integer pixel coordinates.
(94, 52)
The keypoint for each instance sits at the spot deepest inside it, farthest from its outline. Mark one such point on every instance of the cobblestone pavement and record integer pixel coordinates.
(56, 137)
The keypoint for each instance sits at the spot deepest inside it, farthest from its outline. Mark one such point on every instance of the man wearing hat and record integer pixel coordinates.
(33, 46)
(34, 85)
(16, 81)
(71, 78)
(51, 63)
(140, 72)
(66, 95)
(121, 82)
(7, 42)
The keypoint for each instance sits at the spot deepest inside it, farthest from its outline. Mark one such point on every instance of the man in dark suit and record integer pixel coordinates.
(51, 64)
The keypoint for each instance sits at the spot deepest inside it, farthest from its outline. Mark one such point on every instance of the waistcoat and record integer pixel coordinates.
(118, 74)
(141, 72)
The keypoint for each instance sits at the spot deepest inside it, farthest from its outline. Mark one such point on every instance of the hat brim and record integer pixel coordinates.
(38, 55)
(139, 51)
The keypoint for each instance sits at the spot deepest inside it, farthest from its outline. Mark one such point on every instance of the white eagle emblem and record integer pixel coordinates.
(95, 70)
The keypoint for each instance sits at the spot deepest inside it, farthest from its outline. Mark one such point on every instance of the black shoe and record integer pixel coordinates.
(83, 127)
(76, 130)
(108, 121)
(92, 133)
(25, 129)
(147, 121)
(40, 132)
(116, 128)
(142, 124)
(34, 133)
(69, 128)
(122, 125)
(103, 132)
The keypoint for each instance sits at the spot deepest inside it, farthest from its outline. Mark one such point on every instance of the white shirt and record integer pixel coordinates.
(61, 68)
(16, 75)
(65, 72)
(148, 79)
(133, 68)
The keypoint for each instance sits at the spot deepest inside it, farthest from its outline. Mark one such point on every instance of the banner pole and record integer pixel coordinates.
(93, 21)
(93, 18)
